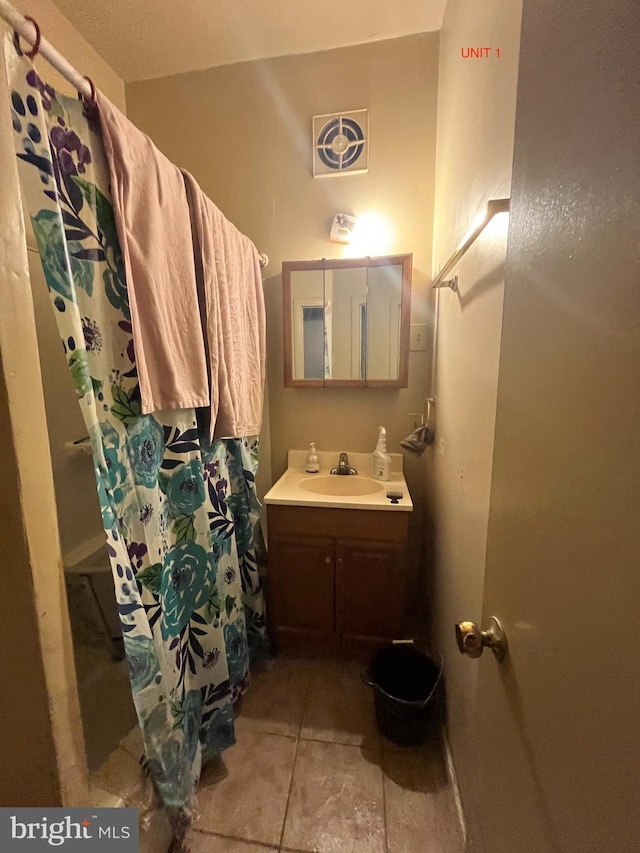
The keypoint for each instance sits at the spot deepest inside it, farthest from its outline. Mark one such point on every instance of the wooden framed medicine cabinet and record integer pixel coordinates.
(346, 322)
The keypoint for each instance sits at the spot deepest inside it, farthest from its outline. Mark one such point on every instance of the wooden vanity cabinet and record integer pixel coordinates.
(337, 579)
(302, 590)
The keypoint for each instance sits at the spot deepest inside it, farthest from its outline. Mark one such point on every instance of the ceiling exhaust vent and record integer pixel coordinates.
(341, 144)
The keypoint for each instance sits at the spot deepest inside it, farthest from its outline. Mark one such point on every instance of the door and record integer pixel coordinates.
(302, 593)
(559, 721)
(371, 588)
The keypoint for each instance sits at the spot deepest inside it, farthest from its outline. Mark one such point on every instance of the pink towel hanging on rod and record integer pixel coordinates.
(152, 218)
(232, 300)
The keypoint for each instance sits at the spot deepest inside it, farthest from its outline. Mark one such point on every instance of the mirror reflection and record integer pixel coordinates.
(347, 321)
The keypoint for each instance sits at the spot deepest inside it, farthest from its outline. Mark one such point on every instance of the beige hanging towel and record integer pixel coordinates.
(152, 218)
(231, 298)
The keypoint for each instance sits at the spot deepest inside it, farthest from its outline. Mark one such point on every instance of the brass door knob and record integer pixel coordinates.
(471, 640)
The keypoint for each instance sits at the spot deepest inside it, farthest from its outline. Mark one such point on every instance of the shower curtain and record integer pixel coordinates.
(180, 514)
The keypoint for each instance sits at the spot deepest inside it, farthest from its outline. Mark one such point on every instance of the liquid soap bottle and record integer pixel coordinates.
(381, 459)
(312, 465)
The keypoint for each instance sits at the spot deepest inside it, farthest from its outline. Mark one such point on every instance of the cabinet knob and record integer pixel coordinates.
(327, 559)
(340, 561)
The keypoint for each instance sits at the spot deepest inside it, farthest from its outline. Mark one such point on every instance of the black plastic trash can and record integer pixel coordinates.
(404, 683)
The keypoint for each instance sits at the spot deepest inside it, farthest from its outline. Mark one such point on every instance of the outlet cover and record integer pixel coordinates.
(418, 337)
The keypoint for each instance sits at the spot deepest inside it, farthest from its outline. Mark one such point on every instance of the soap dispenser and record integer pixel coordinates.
(381, 459)
(312, 465)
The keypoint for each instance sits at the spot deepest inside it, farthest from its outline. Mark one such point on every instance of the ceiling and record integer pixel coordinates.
(154, 38)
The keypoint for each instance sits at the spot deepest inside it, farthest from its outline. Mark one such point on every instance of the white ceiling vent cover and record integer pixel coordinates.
(341, 144)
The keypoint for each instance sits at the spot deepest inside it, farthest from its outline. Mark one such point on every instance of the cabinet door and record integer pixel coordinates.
(302, 592)
(371, 585)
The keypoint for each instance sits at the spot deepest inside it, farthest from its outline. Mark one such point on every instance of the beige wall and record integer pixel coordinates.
(78, 508)
(244, 131)
(476, 114)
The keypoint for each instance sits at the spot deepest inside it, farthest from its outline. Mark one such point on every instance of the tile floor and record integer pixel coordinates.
(310, 772)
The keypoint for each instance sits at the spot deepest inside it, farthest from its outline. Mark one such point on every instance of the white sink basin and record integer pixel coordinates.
(360, 491)
(341, 485)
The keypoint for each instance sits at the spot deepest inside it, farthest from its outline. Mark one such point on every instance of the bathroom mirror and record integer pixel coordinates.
(346, 322)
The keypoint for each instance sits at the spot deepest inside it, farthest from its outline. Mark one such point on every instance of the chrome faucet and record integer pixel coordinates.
(343, 466)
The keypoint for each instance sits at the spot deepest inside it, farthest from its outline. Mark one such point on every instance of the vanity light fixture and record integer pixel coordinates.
(368, 234)
(372, 236)
(342, 228)
(492, 208)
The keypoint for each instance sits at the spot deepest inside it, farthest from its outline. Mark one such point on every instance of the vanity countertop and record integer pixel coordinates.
(290, 489)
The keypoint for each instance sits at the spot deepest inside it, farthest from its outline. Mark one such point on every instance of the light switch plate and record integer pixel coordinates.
(418, 337)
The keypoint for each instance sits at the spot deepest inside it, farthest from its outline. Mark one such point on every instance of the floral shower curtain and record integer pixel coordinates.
(180, 513)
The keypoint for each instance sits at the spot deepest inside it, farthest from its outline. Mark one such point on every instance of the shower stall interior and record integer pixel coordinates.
(106, 704)
(101, 669)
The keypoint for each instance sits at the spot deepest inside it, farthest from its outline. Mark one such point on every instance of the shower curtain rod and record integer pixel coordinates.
(29, 33)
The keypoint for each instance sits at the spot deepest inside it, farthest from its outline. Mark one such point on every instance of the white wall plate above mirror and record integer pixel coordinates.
(346, 322)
